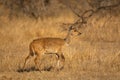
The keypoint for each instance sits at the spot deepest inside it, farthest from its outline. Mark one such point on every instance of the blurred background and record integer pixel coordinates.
(97, 49)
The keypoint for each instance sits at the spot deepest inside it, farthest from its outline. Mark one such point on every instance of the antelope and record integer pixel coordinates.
(40, 47)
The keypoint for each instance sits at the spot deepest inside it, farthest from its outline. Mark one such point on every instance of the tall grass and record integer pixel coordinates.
(97, 49)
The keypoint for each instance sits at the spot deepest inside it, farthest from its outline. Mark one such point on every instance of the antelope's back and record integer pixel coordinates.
(48, 44)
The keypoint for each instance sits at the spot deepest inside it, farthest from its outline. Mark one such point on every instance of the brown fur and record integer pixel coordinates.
(40, 47)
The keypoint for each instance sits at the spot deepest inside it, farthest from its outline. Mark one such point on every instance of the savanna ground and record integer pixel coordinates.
(93, 55)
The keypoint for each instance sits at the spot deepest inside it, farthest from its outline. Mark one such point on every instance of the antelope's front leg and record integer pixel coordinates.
(60, 62)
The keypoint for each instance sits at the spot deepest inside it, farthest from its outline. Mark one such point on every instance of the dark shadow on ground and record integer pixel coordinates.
(34, 69)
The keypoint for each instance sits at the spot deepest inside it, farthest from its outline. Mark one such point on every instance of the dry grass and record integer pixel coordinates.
(91, 56)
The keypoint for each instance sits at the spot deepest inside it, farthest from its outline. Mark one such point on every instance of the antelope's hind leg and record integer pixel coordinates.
(38, 59)
(38, 63)
(26, 61)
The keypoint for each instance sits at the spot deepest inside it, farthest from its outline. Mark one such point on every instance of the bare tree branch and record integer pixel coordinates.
(86, 15)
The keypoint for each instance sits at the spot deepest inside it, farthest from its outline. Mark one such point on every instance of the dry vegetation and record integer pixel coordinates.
(94, 55)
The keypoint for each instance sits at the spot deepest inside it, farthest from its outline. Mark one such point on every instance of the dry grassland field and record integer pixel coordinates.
(92, 55)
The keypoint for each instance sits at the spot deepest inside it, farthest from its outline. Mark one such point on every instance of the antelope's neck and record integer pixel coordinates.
(67, 40)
